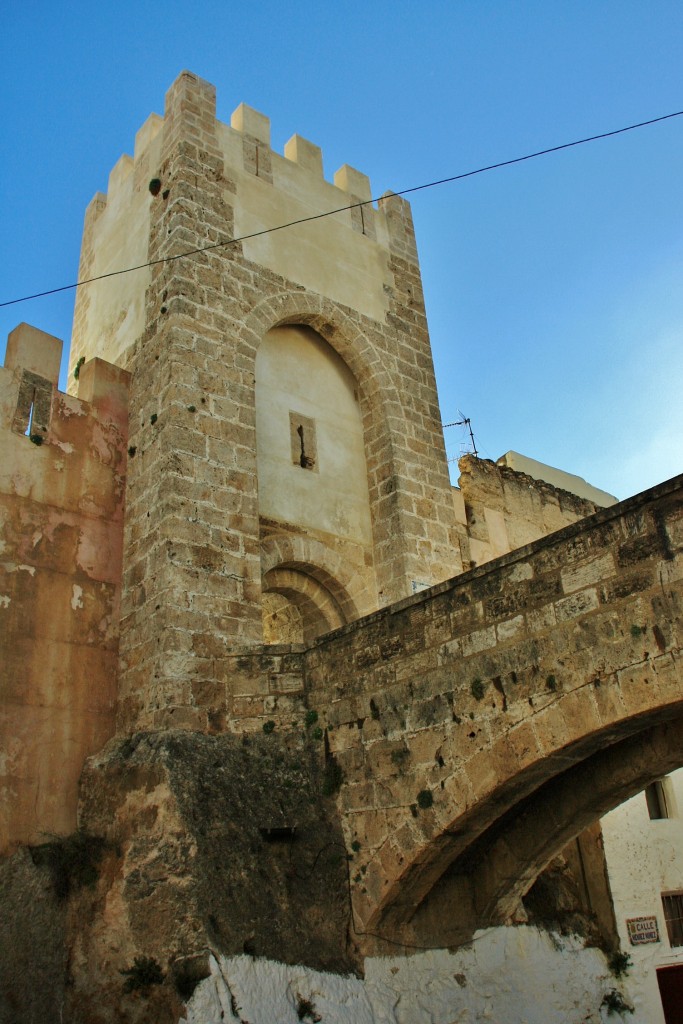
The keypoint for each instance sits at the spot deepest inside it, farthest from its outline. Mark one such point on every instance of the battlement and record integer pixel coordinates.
(33, 359)
(345, 257)
(246, 143)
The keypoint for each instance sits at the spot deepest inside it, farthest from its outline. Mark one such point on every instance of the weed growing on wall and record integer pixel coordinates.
(477, 689)
(620, 964)
(615, 1003)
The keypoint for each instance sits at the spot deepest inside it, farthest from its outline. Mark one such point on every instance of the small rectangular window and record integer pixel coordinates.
(303, 441)
(657, 798)
(673, 915)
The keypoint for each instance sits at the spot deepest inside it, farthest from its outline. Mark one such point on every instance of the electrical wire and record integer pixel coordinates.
(344, 209)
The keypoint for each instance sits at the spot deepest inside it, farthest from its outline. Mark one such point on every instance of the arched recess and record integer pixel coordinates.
(341, 332)
(380, 406)
(314, 580)
(317, 559)
(318, 611)
(313, 488)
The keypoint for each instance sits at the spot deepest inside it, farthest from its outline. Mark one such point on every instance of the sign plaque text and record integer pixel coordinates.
(642, 929)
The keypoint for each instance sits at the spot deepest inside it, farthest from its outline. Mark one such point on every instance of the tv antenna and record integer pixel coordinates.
(464, 422)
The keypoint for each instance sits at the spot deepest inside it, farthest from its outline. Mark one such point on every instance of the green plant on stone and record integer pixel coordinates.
(636, 631)
(310, 718)
(615, 1003)
(477, 689)
(77, 367)
(620, 964)
(425, 799)
(144, 973)
(268, 727)
(551, 682)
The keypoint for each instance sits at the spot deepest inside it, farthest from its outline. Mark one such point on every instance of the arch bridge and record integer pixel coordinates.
(482, 724)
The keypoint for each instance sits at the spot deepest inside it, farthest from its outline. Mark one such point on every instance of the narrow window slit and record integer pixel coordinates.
(31, 413)
(303, 440)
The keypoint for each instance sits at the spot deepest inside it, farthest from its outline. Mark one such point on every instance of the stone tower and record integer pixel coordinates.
(286, 469)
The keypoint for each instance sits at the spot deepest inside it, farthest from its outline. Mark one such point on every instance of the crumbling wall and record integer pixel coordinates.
(499, 509)
(188, 847)
(61, 510)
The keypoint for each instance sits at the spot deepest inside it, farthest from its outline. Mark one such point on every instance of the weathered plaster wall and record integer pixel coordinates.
(61, 511)
(515, 975)
(645, 859)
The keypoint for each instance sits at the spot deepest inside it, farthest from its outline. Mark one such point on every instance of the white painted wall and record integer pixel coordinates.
(505, 976)
(644, 859)
(297, 371)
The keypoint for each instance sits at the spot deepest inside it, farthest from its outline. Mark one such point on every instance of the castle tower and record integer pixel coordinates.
(286, 469)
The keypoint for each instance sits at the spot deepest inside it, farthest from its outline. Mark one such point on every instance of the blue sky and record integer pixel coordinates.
(553, 288)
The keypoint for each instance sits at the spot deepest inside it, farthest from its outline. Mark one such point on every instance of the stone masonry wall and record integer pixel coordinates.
(479, 690)
(62, 477)
(192, 556)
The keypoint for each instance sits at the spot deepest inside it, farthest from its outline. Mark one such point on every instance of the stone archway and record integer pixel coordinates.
(487, 881)
(318, 612)
(317, 583)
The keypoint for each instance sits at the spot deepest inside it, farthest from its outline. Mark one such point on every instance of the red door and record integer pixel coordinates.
(670, 981)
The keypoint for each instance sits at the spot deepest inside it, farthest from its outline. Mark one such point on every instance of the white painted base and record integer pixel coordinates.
(506, 976)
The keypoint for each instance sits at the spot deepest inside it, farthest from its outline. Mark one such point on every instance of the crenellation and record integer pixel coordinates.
(35, 351)
(120, 179)
(306, 154)
(251, 122)
(93, 211)
(190, 95)
(145, 136)
(357, 184)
